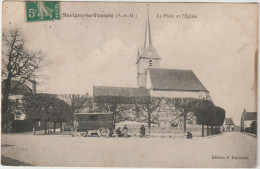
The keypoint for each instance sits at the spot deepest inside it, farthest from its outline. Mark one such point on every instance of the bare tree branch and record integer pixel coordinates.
(18, 63)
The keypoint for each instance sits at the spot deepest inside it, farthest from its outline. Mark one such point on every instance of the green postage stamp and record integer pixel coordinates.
(42, 11)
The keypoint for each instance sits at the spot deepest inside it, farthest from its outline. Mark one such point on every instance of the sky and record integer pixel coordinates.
(219, 45)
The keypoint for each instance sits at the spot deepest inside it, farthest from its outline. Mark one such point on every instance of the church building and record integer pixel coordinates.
(152, 80)
(165, 82)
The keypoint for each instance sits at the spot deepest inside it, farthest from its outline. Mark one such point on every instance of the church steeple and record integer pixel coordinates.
(148, 51)
(147, 57)
(149, 29)
(138, 53)
(147, 36)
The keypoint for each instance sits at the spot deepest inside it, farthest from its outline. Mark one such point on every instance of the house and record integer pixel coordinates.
(17, 92)
(229, 124)
(165, 82)
(248, 122)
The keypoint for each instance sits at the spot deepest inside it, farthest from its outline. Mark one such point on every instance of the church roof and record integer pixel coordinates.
(174, 79)
(105, 94)
(250, 116)
(150, 53)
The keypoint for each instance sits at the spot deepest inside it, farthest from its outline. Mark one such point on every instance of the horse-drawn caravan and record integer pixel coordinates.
(87, 124)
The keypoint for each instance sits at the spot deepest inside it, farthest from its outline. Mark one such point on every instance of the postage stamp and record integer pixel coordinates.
(42, 11)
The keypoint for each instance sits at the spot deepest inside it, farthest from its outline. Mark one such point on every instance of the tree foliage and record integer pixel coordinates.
(121, 112)
(181, 108)
(150, 111)
(207, 113)
(203, 110)
(186, 110)
(46, 107)
(218, 116)
(79, 103)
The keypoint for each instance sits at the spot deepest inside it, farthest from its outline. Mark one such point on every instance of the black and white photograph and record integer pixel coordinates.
(129, 84)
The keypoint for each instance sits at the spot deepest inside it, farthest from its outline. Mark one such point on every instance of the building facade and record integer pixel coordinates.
(248, 122)
(173, 83)
(16, 95)
(229, 124)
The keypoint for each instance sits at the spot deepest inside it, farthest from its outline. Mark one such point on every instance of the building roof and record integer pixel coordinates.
(250, 115)
(229, 121)
(124, 95)
(17, 88)
(174, 79)
(150, 53)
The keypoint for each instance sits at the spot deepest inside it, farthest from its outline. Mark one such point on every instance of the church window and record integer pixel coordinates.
(150, 63)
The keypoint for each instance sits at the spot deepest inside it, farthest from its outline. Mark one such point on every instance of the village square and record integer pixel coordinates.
(168, 119)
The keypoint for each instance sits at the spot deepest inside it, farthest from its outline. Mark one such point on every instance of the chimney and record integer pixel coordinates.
(33, 85)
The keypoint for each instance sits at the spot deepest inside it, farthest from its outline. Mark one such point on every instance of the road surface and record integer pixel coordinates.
(231, 149)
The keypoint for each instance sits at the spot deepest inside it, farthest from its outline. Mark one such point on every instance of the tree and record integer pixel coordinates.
(78, 103)
(61, 111)
(17, 63)
(151, 110)
(121, 112)
(181, 108)
(46, 107)
(125, 112)
(37, 107)
(107, 108)
(218, 117)
(203, 110)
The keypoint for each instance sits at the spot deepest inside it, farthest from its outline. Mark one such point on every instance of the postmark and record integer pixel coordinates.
(42, 11)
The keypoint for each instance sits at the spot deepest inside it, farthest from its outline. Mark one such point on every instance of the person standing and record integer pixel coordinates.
(118, 132)
(143, 131)
(125, 131)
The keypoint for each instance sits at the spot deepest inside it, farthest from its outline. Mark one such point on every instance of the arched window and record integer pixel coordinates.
(150, 63)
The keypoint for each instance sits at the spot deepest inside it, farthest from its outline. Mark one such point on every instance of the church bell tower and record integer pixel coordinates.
(147, 57)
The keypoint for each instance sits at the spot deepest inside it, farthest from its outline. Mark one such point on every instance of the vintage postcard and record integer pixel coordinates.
(129, 84)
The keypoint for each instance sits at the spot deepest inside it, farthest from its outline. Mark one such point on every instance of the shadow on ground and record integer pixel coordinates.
(12, 162)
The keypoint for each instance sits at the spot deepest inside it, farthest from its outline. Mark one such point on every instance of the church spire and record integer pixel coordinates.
(138, 53)
(147, 36)
(149, 29)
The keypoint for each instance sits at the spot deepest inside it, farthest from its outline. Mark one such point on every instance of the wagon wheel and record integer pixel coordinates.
(103, 132)
(83, 133)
